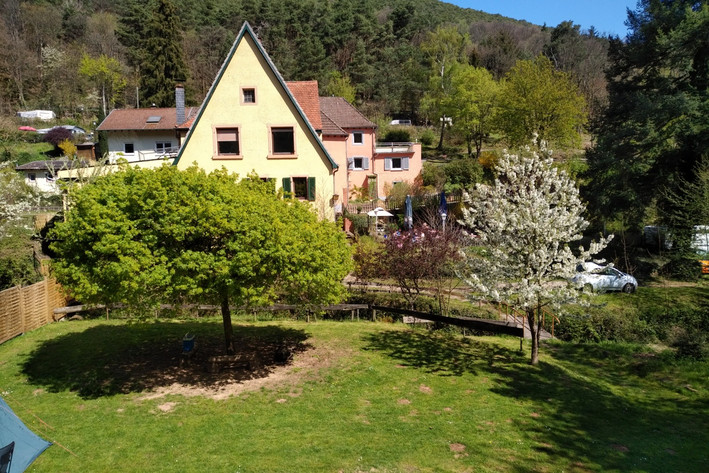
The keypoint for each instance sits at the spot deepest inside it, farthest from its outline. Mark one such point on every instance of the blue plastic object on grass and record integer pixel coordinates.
(27, 446)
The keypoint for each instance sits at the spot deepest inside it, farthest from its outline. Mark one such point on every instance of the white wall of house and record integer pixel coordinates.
(145, 145)
(43, 181)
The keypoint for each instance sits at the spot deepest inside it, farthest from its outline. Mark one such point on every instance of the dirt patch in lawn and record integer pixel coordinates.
(149, 361)
(228, 380)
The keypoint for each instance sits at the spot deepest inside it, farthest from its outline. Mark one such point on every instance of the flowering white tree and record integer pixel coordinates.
(525, 222)
(16, 200)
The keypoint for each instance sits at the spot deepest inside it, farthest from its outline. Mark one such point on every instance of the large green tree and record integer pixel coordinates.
(473, 105)
(541, 104)
(144, 237)
(656, 129)
(444, 48)
(106, 74)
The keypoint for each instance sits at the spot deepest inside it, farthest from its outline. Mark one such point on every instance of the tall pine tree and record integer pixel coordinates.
(161, 60)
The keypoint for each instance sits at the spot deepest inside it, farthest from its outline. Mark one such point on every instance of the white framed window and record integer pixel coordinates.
(227, 141)
(358, 163)
(282, 141)
(128, 148)
(32, 176)
(357, 138)
(396, 164)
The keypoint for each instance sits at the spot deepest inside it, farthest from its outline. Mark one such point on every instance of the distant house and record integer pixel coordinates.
(43, 175)
(350, 138)
(373, 166)
(146, 134)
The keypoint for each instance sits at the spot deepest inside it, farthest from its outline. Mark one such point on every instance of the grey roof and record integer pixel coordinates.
(52, 164)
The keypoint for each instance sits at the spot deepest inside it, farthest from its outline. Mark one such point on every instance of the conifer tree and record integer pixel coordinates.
(161, 62)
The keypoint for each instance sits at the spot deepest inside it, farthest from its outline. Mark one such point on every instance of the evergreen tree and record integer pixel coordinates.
(162, 64)
(656, 128)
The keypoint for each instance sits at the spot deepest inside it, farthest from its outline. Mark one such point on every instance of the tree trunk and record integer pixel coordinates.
(226, 321)
(534, 332)
(443, 128)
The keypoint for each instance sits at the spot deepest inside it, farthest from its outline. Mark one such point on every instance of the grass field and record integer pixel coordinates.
(356, 397)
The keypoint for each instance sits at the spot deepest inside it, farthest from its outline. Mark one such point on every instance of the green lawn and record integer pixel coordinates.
(358, 397)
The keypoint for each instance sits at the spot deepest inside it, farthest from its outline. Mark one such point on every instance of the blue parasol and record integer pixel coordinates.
(408, 214)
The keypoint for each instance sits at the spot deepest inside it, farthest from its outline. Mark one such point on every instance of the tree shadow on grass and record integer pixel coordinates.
(593, 408)
(106, 360)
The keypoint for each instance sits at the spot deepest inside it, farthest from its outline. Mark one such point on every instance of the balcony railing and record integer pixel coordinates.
(382, 148)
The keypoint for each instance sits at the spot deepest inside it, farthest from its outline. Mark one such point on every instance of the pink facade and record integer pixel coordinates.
(366, 169)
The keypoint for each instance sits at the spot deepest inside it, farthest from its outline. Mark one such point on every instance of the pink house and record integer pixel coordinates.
(367, 169)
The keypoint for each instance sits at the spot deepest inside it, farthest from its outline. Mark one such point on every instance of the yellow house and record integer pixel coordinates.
(250, 122)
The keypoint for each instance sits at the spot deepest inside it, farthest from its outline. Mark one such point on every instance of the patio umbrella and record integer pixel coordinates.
(408, 214)
(378, 212)
(443, 209)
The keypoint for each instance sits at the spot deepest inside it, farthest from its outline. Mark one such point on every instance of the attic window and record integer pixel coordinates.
(154, 119)
(248, 95)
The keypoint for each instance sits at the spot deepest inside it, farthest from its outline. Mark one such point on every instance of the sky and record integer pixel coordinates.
(607, 16)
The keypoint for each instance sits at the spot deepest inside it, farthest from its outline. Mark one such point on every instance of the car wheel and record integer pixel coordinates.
(629, 288)
(588, 288)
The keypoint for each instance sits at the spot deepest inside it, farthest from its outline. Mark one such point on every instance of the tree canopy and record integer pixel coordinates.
(474, 104)
(383, 46)
(145, 237)
(538, 103)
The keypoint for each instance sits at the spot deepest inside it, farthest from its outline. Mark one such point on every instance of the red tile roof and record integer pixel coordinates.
(137, 119)
(343, 114)
(307, 96)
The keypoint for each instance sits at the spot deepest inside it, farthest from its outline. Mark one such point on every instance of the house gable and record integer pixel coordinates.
(250, 121)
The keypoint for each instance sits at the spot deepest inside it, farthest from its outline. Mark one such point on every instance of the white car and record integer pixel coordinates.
(604, 278)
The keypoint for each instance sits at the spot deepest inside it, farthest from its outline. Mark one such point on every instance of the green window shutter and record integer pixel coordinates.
(311, 188)
(286, 187)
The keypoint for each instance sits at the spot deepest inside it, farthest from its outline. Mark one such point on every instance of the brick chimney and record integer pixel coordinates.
(180, 103)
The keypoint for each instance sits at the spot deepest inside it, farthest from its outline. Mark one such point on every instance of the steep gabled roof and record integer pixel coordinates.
(308, 97)
(246, 30)
(145, 119)
(343, 114)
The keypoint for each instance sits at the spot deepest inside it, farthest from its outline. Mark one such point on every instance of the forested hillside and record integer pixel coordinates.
(82, 57)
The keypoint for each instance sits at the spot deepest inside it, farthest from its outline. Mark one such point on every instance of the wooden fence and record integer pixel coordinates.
(27, 308)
